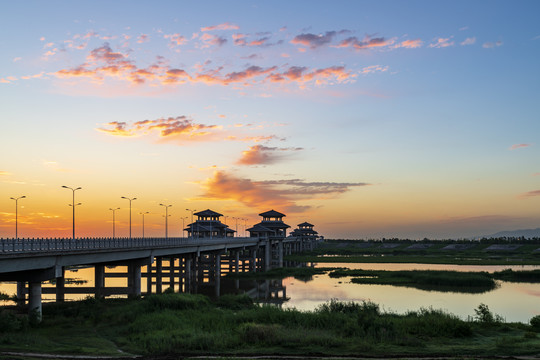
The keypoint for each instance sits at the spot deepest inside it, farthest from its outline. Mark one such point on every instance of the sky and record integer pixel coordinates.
(368, 119)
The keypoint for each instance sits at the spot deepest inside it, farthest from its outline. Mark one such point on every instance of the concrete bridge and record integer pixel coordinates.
(180, 262)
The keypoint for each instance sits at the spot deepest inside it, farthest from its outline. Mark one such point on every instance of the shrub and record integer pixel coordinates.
(535, 322)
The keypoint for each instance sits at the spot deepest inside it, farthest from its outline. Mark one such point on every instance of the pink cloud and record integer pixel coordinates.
(224, 26)
(175, 39)
(366, 43)
(442, 43)
(410, 44)
(143, 38)
(491, 45)
(518, 146)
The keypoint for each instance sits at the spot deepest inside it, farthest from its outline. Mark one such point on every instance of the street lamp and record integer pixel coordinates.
(143, 213)
(245, 227)
(73, 204)
(113, 220)
(235, 218)
(130, 200)
(17, 215)
(183, 226)
(166, 220)
(192, 227)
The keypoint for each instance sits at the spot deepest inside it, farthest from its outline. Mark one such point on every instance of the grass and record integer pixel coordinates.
(468, 282)
(184, 325)
(299, 273)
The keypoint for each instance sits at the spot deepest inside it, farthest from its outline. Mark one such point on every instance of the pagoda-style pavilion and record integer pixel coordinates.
(272, 226)
(306, 234)
(208, 225)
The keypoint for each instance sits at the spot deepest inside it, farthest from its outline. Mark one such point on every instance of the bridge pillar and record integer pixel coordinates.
(188, 274)
(172, 261)
(267, 255)
(236, 261)
(280, 253)
(134, 279)
(60, 288)
(21, 287)
(34, 300)
(253, 261)
(99, 279)
(218, 274)
(159, 269)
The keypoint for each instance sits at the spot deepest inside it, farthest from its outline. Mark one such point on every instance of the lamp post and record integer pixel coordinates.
(130, 200)
(235, 218)
(183, 226)
(166, 219)
(143, 213)
(17, 215)
(73, 205)
(245, 227)
(113, 221)
(192, 227)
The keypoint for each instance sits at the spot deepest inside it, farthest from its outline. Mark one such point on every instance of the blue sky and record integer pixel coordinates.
(366, 118)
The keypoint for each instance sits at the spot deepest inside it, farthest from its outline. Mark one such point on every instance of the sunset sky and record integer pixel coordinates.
(368, 119)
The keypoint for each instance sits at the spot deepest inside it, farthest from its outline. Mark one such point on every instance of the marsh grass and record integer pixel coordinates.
(469, 282)
(185, 324)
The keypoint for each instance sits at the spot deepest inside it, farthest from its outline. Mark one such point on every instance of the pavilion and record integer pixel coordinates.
(208, 225)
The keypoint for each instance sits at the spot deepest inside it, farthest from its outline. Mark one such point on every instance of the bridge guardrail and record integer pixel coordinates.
(43, 245)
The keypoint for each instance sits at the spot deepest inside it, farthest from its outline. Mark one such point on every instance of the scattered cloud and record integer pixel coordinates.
(536, 174)
(491, 45)
(243, 40)
(224, 26)
(442, 43)
(17, 59)
(143, 38)
(212, 40)
(175, 40)
(518, 146)
(530, 194)
(468, 41)
(374, 69)
(5, 173)
(277, 194)
(314, 41)
(264, 155)
(410, 44)
(366, 43)
(180, 127)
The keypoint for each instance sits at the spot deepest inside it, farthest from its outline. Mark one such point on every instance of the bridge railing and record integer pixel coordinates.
(43, 245)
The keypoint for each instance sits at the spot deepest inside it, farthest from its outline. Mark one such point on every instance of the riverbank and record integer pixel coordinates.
(233, 326)
(424, 252)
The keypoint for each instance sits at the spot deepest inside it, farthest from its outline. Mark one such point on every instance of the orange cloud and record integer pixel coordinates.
(175, 39)
(518, 146)
(224, 26)
(180, 127)
(314, 41)
(410, 44)
(280, 194)
(264, 155)
(143, 38)
(4, 173)
(374, 69)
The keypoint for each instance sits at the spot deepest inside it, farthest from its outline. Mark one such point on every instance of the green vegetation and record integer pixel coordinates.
(469, 282)
(182, 325)
(464, 252)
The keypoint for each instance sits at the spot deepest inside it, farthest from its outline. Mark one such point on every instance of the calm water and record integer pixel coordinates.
(513, 301)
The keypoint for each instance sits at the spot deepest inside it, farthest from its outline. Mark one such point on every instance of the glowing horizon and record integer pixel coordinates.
(396, 119)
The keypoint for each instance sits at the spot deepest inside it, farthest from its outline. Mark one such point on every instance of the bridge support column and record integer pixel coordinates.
(34, 300)
(134, 279)
(188, 275)
(253, 261)
(159, 269)
(99, 279)
(21, 287)
(236, 261)
(60, 288)
(267, 255)
(280, 253)
(172, 261)
(218, 274)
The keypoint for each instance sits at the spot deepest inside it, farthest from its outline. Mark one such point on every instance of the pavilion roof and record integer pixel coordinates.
(272, 213)
(208, 213)
(306, 224)
(260, 228)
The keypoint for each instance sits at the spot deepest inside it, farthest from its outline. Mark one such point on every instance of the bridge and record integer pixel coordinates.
(161, 261)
